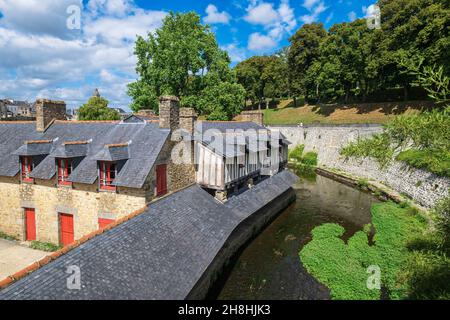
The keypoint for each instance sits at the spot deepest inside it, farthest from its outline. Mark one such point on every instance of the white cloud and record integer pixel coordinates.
(236, 53)
(38, 17)
(214, 16)
(276, 21)
(262, 14)
(315, 10)
(352, 16)
(118, 8)
(115, 31)
(308, 4)
(259, 42)
(329, 18)
(42, 58)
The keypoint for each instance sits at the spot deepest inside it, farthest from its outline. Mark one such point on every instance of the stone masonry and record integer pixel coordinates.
(83, 201)
(47, 111)
(422, 186)
(169, 112)
(253, 116)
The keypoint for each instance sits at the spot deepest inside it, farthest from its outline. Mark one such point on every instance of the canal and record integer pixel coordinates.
(269, 267)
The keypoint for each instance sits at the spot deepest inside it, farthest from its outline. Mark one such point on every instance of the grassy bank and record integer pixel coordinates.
(286, 113)
(401, 247)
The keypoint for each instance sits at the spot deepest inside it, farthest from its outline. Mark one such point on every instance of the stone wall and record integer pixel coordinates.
(424, 187)
(82, 201)
(253, 116)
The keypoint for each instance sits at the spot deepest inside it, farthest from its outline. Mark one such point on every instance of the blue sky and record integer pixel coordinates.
(43, 52)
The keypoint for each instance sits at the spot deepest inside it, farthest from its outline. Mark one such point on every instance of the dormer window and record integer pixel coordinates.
(108, 171)
(26, 168)
(64, 171)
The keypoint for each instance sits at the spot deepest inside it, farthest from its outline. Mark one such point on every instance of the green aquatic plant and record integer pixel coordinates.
(343, 267)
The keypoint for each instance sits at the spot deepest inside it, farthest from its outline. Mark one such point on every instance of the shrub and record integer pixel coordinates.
(432, 161)
(442, 211)
(362, 183)
(310, 159)
(297, 153)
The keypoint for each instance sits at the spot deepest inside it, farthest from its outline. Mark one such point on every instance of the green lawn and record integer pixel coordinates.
(286, 113)
(343, 267)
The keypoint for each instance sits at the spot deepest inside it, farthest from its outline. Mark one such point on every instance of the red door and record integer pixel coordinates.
(161, 180)
(66, 227)
(30, 223)
(103, 223)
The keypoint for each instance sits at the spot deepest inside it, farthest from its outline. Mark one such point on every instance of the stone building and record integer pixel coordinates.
(16, 109)
(61, 180)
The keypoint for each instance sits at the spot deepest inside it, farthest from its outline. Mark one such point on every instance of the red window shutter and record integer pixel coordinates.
(30, 224)
(107, 176)
(27, 167)
(64, 171)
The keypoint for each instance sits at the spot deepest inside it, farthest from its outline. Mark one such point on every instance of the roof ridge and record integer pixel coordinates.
(17, 122)
(75, 143)
(38, 141)
(87, 121)
(116, 145)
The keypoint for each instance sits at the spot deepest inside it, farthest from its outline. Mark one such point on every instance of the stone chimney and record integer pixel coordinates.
(47, 111)
(253, 116)
(169, 112)
(188, 117)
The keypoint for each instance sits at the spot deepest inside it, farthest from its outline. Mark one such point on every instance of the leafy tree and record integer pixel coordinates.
(304, 51)
(97, 109)
(351, 61)
(275, 76)
(250, 74)
(183, 58)
(431, 78)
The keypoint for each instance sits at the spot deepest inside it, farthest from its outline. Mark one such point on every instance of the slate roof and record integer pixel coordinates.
(12, 136)
(34, 149)
(223, 137)
(145, 143)
(160, 254)
(223, 126)
(115, 153)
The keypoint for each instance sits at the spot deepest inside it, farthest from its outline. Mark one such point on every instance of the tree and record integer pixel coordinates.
(304, 51)
(275, 76)
(97, 109)
(250, 74)
(183, 58)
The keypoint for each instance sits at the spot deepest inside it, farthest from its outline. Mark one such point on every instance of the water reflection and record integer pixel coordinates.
(270, 268)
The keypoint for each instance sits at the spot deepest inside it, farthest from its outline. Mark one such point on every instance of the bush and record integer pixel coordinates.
(310, 159)
(432, 161)
(297, 153)
(442, 211)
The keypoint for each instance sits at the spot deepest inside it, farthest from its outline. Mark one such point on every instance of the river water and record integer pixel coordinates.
(269, 267)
